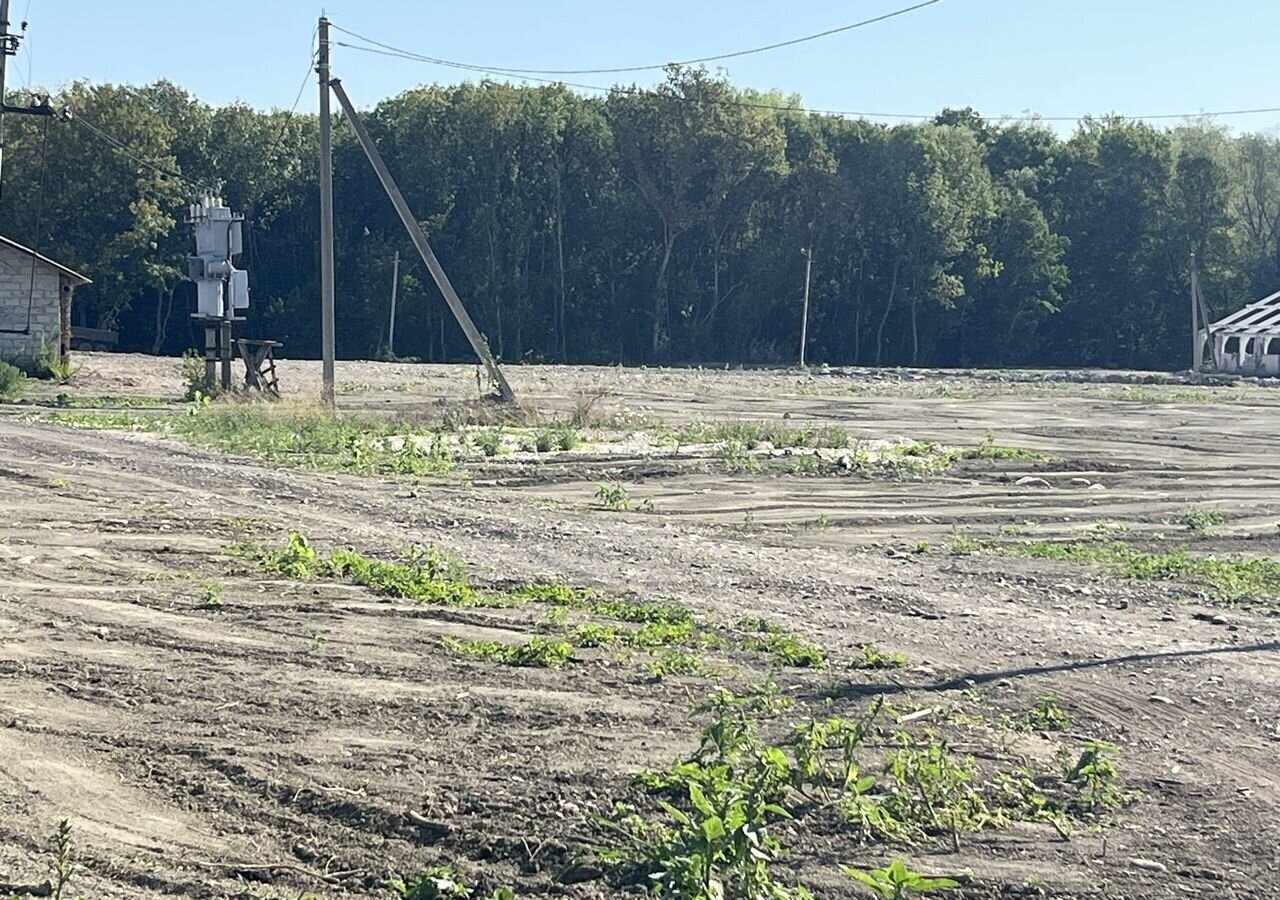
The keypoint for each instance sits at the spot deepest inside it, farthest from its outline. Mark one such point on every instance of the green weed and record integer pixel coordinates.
(65, 859)
(441, 883)
(1046, 715)
(535, 652)
(675, 662)
(12, 381)
(1229, 578)
(1096, 776)
(613, 497)
(212, 594)
(1200, 518)
(872, 658)
(897, 882)
(738, 458)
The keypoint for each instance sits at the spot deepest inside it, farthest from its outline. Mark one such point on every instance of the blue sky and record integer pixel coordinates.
(1004, 57)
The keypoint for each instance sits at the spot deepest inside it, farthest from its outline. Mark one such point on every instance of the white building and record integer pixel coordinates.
(1247, 342)
(35, 302)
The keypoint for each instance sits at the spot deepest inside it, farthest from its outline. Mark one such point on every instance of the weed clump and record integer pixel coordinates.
(427, 575)
(12, 381)
(1231, 579)
(535, 652)
(1200, 518)
(1046, 715)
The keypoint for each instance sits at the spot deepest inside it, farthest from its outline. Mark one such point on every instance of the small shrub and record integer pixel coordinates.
(489, 440)
(212, 594)
(738, 458)
(195, 375)
(1046, 715)
(12, 380)
(1200, 518)
(613, 497)
(51, 365)
(1095, 775)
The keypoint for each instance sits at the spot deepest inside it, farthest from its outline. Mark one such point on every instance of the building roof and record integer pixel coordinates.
(70, 273)
(1262, 317)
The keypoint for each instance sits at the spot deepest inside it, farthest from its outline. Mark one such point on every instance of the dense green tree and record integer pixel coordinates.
(664, 225)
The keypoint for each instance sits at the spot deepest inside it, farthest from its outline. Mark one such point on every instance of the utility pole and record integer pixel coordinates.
(395, 284)
(1197, 345)
(804, 319)
(422, 245)
(326, 217)
(8, 47)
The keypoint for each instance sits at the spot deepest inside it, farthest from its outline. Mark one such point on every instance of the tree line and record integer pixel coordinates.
(664, 225)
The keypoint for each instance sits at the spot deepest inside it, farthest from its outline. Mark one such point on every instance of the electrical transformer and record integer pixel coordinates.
(222, 289)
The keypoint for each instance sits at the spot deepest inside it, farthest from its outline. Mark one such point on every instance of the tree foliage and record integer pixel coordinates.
(666, 225)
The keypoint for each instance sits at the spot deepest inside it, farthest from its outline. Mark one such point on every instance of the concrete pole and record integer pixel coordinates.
(804, 319)
(395, 285)
(423, 246)
(1197, 344)
(326, 219)
(4, 60)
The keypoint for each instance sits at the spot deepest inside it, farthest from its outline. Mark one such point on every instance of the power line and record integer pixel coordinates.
(123, 148)
(750, 104)
(687, 62)
(306, 79)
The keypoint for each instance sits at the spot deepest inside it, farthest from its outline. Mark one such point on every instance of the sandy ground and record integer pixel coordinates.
(311, 729)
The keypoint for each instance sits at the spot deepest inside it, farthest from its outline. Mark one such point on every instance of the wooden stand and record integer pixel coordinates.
(259, 365)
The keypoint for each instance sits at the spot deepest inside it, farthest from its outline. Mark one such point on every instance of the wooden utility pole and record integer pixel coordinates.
(395, 285)
(326, 218)
(804, 319)
(420, 242)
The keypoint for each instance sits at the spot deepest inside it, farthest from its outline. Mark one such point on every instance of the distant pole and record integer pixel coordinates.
(8, 47)
(1197, 345)
(326, 217)
(395, 284)
(804, 319)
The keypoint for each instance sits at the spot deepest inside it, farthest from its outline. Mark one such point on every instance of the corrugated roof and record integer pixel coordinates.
(70, 273)
(1262, 317)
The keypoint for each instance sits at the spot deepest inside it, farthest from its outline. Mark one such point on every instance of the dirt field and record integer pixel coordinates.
(309, 736)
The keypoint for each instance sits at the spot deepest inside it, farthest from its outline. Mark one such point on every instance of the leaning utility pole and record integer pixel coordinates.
(395, 285)
(326, 217)
(804, 319)
(419, 238)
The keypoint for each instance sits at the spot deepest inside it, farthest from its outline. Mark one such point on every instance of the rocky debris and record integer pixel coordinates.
(1032, 481)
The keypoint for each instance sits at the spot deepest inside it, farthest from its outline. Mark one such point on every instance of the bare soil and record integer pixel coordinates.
(309, 736)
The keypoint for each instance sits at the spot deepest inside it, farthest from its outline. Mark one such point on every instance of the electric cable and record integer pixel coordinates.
(123, 148)
(35, 249)
(749, 104)
(687, 62)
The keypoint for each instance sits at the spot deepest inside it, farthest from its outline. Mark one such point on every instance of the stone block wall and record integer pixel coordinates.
(15, 291)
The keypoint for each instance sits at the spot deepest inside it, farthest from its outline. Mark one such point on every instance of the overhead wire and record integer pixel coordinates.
(124, 148)
(306, 79)
(35, 249)
(752, 104)
(616, 70)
